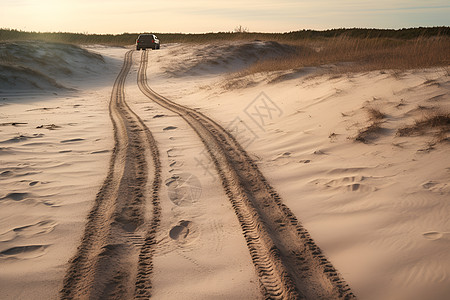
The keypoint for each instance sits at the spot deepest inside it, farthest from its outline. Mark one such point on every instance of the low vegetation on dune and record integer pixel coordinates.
(438, 122)
(350, 54)
(435, 124)
(373, 129)
(341, 50)
(220, 58)
(239, 33)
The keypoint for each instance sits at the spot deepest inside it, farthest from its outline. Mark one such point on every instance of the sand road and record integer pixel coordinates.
(113, 251)
(115, 257)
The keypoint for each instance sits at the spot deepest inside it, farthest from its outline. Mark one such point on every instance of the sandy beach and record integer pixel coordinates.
(129, 174)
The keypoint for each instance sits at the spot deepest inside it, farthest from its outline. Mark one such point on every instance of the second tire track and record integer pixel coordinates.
(114, 258)
(288, 262)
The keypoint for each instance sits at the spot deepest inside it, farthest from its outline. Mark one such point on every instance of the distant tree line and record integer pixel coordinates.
(404, 33)
(130, 38)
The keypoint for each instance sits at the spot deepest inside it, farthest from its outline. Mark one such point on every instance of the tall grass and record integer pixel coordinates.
(438, 120)
(348, 49)
(130, 38)
(361, 54)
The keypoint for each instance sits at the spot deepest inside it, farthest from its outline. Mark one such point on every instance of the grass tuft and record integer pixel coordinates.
(437, 121)
(374, 129)
(345, 54)
(375, 114)
(369, 133)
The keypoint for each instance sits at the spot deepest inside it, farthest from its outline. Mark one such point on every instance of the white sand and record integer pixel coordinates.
(49, 177)
(378, 210)
(201, 251)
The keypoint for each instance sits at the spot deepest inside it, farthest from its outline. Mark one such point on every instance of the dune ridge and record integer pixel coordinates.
(43, 66)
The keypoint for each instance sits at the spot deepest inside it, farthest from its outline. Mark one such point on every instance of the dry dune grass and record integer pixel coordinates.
(349, 54)
(371, 132)
(375, 114)
(436, 124)
(438, 121)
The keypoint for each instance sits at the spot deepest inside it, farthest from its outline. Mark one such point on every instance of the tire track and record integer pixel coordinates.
(288, 262)
(113, 260)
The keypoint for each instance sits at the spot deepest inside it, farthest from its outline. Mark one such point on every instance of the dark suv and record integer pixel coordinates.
(145, 41)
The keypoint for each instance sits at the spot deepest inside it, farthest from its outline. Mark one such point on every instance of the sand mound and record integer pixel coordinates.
(221, 58)
(377, 206)
(44, 66)
(20, 77)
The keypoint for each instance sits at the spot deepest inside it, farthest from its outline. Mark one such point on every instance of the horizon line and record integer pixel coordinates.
(236, 32)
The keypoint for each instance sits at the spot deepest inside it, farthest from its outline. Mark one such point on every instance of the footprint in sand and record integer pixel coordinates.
(432, 235)
(72, 140)
(21, 138)
(184, 232)
(319, 152)
(348, 184)
(28, 198)
(304, 161)
(436, 187)
(184, 189)
(173, 152)
(6, 173)
(16, 196)
(428, 185)
(13, 124)
(286, 154)
(282, 158)
(17, 172)
(175, 164)
(23, 252)
(99, 151)
(357, 187)
(48, 126)
(170, 128)
(345, 181)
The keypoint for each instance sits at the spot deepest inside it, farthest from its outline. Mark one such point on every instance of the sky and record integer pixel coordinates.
(198, 16)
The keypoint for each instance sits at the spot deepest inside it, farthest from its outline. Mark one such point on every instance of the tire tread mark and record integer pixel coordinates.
(288, 262)
(104, 264)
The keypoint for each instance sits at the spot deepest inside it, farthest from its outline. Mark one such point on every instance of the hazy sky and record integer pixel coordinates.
(118, 16)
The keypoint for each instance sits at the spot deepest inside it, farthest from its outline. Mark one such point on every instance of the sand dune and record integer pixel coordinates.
(31, 66)
(373, 199)
(219, 58)
(53, 152)
(373, 206)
